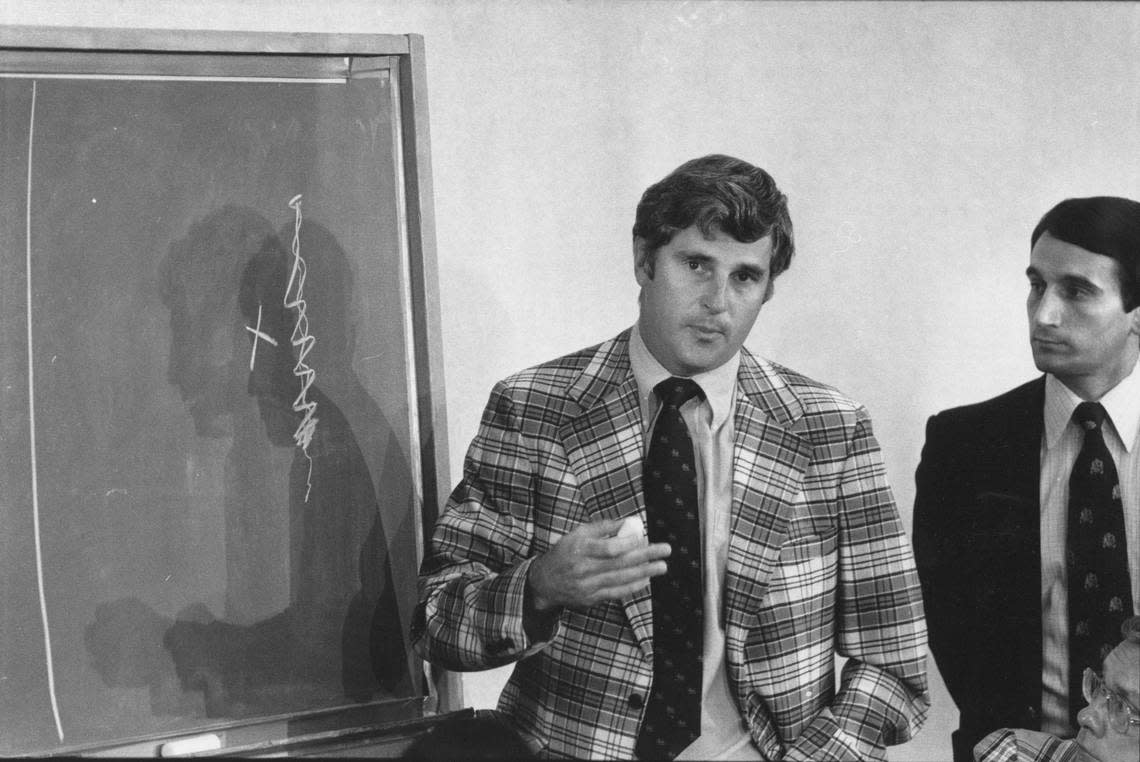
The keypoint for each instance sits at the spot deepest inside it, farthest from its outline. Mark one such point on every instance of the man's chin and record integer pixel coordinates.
(704, 358)
(1047, 362)
(1082, 739)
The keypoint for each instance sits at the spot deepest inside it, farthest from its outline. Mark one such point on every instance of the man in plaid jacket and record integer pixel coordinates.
(803, 554)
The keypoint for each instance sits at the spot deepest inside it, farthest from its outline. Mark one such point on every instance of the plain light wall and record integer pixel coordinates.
(918, 142)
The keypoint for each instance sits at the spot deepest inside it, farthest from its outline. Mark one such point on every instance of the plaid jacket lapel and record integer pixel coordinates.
(768, 472)
(604, 447)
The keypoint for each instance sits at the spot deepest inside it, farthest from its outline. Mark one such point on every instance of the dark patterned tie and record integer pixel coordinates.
(673, 712)
(1100, 594)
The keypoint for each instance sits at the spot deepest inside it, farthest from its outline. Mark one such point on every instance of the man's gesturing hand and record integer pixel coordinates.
(594, 563)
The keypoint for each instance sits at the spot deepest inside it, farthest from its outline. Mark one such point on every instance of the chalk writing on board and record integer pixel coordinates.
(175, 570)
(336, 634)
(304, 341)
(258, 334)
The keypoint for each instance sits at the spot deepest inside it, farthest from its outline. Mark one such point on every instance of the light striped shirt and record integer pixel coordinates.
(1060, 444)
(724, 734)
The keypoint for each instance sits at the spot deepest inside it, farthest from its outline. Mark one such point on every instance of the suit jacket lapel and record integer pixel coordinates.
(604, 447)
(1027, 419)
(769, 461)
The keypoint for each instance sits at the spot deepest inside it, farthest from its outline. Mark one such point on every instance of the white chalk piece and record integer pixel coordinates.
(184, 746)
(631, 526)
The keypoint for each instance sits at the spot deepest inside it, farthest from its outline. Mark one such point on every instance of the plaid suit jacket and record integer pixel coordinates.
(1018, 745)
(818, 566)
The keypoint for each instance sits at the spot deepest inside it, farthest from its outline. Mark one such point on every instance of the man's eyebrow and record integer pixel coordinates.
(694, 254)
(1078, 281)
(1068, 279)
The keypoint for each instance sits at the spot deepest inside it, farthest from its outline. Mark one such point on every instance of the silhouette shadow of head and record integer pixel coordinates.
(199, 284)
(251, 318)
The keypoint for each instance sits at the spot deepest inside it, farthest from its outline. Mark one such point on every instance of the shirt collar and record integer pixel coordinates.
(1121, 403)
(718, 384)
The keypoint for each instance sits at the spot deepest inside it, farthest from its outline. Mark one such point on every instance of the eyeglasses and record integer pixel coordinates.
(1121, 714)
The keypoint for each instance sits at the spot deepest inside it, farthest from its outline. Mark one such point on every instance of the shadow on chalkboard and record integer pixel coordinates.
(340, 634)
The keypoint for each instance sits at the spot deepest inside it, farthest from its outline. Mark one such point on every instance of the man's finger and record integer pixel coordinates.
(632, 574)
(616, 592)
(654, 552)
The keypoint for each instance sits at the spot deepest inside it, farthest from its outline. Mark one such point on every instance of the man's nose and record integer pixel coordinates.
(716, 294)
(1048, 309)
(1090, 718)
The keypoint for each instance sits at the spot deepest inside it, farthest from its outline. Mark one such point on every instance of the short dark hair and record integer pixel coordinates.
(716, 192)
(1107, 225)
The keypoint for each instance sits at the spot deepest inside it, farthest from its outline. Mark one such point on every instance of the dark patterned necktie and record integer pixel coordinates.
(673, 712)
(1100, 594)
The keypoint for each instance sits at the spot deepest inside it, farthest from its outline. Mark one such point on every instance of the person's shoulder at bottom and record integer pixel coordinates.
(1020, 745)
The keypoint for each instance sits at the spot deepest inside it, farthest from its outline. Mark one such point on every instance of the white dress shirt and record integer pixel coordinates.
(1060, 443)
(724, 733)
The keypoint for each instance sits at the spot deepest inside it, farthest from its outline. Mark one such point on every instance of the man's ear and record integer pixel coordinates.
(642, 265)
(770, 290)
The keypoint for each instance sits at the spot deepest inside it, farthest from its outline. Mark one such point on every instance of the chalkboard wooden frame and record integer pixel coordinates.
(223, 53)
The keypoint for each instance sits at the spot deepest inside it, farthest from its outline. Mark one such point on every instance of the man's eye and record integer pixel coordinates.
(747, 277)
(1075, 292)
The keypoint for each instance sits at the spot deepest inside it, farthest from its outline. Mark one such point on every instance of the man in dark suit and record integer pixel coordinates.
(998, 557)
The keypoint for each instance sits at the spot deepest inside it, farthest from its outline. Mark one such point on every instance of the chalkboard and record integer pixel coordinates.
(218, 381)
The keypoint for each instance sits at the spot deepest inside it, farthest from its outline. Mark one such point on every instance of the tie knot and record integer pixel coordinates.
(1089, 415)
(675, 391)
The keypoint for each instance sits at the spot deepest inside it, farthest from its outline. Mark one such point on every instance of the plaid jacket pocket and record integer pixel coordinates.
(791, 646)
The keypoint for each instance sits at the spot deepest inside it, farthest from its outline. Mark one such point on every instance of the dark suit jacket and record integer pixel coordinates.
(977, 545)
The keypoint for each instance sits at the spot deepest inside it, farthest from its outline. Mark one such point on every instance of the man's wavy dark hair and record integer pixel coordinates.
(716, 193)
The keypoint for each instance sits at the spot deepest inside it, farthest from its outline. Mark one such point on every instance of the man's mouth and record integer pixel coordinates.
(1046, 343)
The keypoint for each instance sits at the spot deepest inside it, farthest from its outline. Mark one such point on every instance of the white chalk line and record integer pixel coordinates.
(32, 429)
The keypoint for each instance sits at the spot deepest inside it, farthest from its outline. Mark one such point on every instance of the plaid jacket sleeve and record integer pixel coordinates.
(473, 578)
(844, 584)
(1008, 745)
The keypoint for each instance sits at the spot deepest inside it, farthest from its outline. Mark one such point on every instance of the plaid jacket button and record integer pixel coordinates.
(636, 701)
